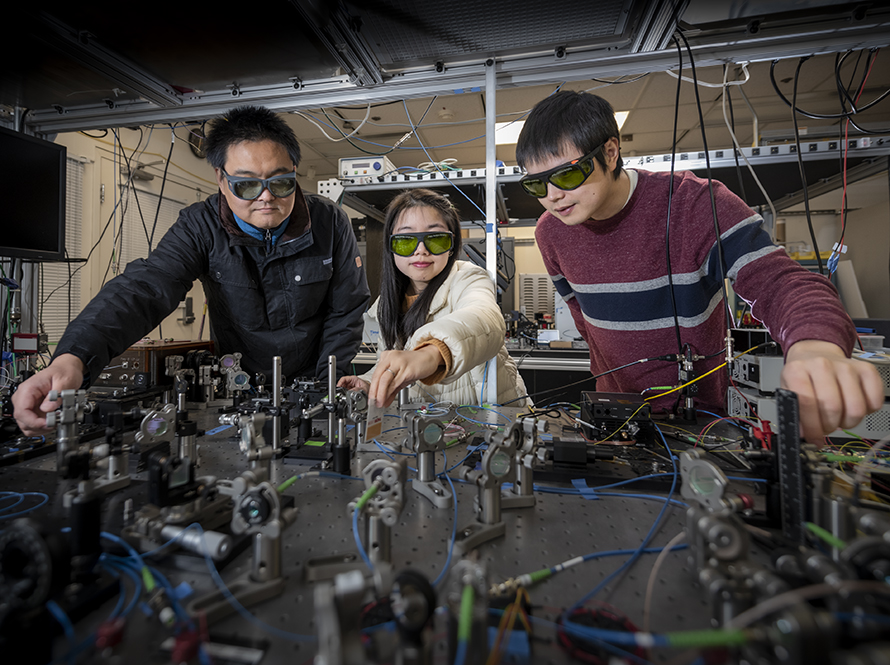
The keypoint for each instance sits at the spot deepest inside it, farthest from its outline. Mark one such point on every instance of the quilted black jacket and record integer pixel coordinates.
(302, 299)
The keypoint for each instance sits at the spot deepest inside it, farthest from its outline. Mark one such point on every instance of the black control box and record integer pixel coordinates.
(616, 416)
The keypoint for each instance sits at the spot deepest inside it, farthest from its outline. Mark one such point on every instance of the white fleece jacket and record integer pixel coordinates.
(465, 316)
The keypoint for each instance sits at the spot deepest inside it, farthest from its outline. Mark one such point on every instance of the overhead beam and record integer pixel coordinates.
(83, 48)
(709, 49)
(361, 206)
(859, 172)
(341, 34)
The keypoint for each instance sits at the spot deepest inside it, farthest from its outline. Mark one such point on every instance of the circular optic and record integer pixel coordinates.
(702, 481)
(432, 433)
(500, 464)
(157, 426)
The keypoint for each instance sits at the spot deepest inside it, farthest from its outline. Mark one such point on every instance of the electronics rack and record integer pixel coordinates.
(142, 365)
(514, 205)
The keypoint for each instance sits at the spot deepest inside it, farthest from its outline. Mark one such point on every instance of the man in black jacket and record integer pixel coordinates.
(280, 269)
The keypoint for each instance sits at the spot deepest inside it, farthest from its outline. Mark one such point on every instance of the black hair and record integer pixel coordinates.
(397, 326)
(248, 123)
(564, 120)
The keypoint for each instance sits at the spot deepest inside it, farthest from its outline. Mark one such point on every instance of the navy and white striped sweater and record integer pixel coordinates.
(613, 275)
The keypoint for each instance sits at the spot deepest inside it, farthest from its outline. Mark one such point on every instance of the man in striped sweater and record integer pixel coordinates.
(603, 238)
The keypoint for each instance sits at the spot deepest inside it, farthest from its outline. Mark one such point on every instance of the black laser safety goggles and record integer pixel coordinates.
(436, 242)
(249, 189)
(566, 176)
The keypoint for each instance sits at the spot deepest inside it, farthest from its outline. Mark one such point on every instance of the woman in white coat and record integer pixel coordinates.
(440, 324)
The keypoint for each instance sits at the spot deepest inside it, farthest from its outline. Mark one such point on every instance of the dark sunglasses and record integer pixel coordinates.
(566, 176)
(436, 242)
(249, 189)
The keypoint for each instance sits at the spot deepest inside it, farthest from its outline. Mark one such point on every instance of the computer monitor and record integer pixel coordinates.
(32, 191)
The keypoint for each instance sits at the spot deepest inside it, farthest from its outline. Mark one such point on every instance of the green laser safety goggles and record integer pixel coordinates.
(436, 242)
(249, 189)
(566, 176)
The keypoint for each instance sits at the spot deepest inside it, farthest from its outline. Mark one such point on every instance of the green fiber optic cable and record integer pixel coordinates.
(147, 579)
(290, 481)
(826, 536)
(287, 483)
(707, 638)
(371, 491)
(465, 624)
(835, 457)
(539, 575)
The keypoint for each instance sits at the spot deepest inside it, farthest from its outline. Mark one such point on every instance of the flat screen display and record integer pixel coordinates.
(32, 189)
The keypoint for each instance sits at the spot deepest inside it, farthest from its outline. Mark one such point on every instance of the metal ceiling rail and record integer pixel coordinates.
(536, 69)
(338, 32)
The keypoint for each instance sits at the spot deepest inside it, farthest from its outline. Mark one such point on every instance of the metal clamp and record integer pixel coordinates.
(426, 437)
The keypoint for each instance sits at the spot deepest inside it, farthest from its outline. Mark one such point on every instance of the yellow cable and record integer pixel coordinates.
(699, 378)
(663, 424)
(620, 426)
(508, 620)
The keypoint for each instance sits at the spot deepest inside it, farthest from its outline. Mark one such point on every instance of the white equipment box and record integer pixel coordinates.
(758, 371)
(370, 166)
(874, 426)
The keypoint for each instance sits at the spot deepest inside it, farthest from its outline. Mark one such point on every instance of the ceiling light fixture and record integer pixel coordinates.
(506, 133)
(620, 117)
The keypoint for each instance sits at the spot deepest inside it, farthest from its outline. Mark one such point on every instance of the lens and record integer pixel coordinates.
(282, 187)
(156, 426)
(568, 178)
(432, 433)
(535, 187)
(403, 245)
(438, 243)
(250, 189)
(247, 189)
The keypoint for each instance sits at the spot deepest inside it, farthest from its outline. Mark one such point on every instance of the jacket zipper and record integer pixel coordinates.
(268, 240)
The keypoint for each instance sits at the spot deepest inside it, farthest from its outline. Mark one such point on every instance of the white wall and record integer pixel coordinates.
(868, 237)
(189, 179)
(826, 227)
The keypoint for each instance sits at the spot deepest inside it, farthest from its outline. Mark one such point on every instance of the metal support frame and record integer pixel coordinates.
(383, 509)
(338, 607)
(522, 494)
(713, 47)
(491, 202)
(426, 437)
(719, 544)
(152, 526)
(498, 463)
(66, 420)
(257, 513)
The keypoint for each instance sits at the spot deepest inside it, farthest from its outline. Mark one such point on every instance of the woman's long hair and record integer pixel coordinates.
(397, 326)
